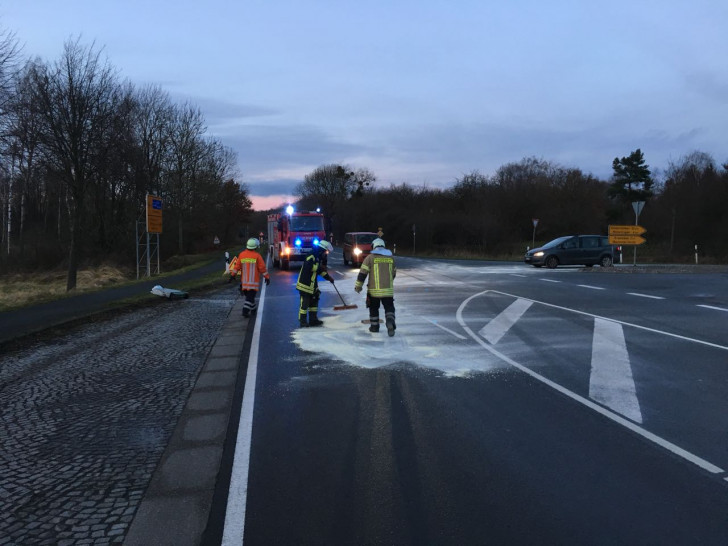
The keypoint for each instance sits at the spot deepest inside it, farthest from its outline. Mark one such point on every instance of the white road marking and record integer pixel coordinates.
(645, 296)
(611, 382)
(677, 450)
(548, 280)
(497, 327)
(446, 329)
(592, 287)
(713, 307)
(234, 526)
(515, 275)
(630, 324)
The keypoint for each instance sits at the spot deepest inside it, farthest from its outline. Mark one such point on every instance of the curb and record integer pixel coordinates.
(176, 506)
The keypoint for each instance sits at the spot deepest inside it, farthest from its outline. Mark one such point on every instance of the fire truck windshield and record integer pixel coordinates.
(307, 223)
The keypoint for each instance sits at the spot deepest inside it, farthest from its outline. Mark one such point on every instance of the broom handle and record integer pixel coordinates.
(337, 291)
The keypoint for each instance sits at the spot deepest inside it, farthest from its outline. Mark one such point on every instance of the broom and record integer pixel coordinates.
(342, 307)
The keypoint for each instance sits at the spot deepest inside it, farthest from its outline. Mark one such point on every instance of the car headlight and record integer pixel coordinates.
(538, 254)
(357, 251)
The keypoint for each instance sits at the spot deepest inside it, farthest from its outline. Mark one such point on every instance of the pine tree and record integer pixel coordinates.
(632, 180)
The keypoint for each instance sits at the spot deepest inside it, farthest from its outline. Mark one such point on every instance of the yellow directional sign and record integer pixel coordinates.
(154, 214)
(626, 230)
(626, 240)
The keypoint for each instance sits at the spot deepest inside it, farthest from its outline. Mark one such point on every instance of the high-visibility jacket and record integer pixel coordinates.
(251, 267)
(311, 267)
(380, 268)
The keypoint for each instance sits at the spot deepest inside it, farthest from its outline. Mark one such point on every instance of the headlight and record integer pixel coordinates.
(357, 251)
(538, 254)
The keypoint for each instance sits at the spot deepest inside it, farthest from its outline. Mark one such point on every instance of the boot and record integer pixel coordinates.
(373, 324)
(391, 326)
(303, 323)
(313, 320)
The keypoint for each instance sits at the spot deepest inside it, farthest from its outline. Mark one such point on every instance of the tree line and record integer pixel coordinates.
(80, 149)
(493, 215)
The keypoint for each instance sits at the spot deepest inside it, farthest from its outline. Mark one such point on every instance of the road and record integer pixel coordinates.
(513, 406)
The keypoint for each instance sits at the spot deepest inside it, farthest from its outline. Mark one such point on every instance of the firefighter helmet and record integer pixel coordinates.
(377, 243)
(253, 243)
(326, 246)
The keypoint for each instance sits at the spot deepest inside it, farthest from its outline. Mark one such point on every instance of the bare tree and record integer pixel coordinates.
(77, 97)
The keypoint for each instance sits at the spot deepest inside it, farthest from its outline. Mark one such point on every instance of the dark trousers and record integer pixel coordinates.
(309, 302)
(249, 305)
(387, 303)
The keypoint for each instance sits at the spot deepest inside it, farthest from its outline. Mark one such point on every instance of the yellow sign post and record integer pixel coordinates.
(626, 235)
(154, 214)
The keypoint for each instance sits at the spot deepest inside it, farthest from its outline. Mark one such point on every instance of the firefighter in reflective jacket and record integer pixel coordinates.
(307, 285)
(379, 267)
(251, 266)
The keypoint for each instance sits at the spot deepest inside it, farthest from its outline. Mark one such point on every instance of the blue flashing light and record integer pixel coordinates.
(315, 241)
(297, 242)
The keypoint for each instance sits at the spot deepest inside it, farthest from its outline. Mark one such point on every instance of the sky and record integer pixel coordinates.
(418, 92)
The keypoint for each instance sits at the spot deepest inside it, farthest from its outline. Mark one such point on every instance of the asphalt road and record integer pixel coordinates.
(513, 406)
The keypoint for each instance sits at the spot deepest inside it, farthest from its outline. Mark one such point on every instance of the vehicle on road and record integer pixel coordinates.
(292, 235)
(357, 246)
(585, 250)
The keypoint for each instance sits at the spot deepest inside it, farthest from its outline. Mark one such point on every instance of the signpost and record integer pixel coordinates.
(533, 238)
(626, 235)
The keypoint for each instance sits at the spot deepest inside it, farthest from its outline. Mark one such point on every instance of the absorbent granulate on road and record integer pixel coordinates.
(85, 418)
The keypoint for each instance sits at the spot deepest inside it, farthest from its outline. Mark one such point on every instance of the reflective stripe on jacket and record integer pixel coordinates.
(311, 267)
(251, 266)
(381, 271)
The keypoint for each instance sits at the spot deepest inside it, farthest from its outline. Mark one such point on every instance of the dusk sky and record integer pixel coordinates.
(418, 92)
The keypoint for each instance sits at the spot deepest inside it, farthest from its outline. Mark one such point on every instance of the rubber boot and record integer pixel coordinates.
(391, 326)
(373, 324)
(313, 320)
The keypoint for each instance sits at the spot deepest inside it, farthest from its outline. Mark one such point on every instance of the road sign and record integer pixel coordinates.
(154, 214)
(626, 230)
(626, 240)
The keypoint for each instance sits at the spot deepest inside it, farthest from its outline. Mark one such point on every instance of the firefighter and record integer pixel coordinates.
(307, 285)
(251, 265)
(380, 268)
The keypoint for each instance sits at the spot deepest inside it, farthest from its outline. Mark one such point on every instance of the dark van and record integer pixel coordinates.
(357, 246)
(585, 250)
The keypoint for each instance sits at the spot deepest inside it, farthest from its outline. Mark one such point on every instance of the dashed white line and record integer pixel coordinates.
(548, 280)
(591, 287)
(446, 329)
(713, 307)
(517, 275)
(645, 296)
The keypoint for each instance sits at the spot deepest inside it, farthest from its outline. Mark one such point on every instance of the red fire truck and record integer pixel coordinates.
(292, 234)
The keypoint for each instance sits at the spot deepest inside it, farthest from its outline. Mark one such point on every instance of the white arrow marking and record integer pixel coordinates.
(498, 327)
(611, 381)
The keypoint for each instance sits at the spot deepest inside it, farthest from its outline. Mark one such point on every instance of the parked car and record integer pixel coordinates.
(357, 246)
(585, 250)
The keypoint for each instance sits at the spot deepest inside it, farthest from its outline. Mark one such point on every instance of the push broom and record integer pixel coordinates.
(342, 307)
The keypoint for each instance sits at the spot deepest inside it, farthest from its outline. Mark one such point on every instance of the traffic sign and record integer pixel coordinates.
(626, 230)
(154, 214)
(626, 240)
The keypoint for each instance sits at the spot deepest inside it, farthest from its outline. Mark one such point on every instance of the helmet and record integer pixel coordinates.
(377, 243)
(253, 243)
(326, 246)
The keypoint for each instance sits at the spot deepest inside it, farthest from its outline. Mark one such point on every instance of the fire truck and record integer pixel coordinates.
(292, 234)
